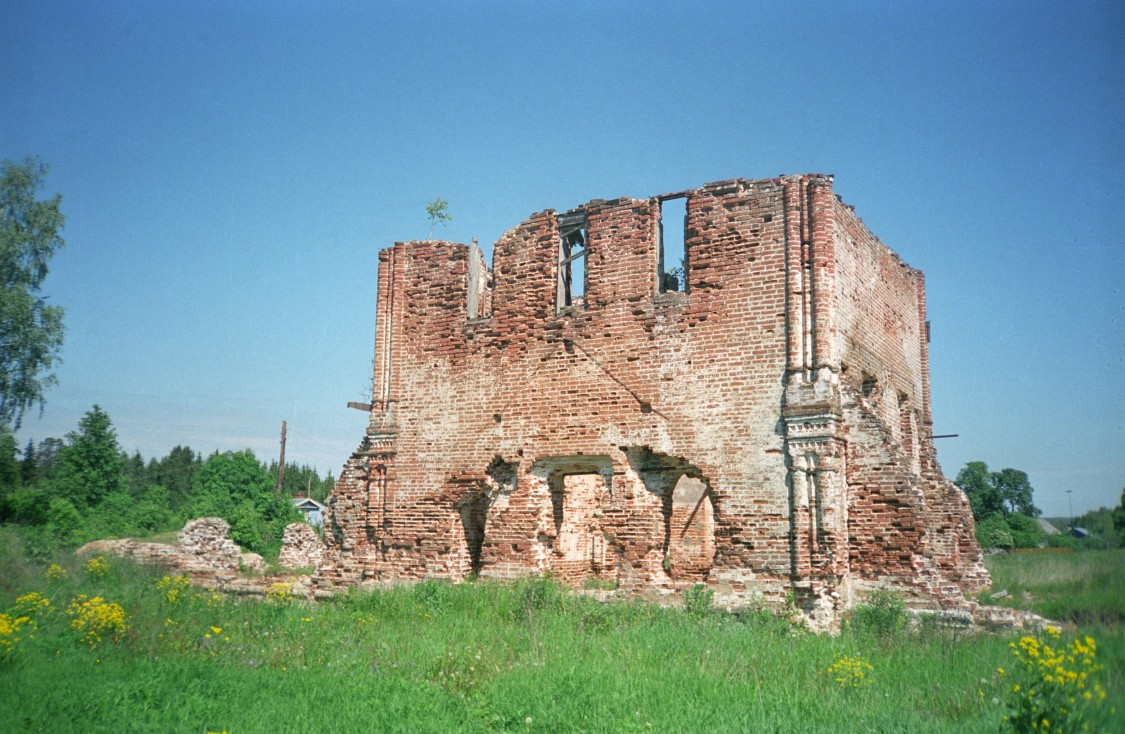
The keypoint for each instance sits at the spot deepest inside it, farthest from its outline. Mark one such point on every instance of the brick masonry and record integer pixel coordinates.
(301, 547)
(764, 430)
(204, 551)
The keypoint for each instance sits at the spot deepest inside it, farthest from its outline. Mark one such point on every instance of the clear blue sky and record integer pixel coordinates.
(231, 170)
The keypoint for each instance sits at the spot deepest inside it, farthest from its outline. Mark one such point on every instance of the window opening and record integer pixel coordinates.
(672, 259)
(479, 303)
(689, 542)
(578, 549)
(573, 239)
(686, 512)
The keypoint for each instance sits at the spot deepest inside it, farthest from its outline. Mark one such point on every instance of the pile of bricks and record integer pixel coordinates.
(206, 548)
(204, 551)
(301, 547)
(155, 554)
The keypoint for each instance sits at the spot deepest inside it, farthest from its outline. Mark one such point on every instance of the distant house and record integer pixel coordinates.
(1079, 532)
(312, 510)
(1047, 527)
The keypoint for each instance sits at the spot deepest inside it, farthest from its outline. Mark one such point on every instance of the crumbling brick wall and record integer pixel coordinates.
(203, 549)
(301, 547)
(764, 429)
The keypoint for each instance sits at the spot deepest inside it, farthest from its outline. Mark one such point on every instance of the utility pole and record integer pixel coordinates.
(281, 464)
(1070, 504)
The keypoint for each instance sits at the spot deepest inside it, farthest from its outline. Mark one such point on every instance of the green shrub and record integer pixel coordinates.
(1062, 540)
(539, 594)
(1009, 531)
(63, 519)
(433, 597)
(27, 505)
(237, 488)
(883, 614)
(697, 600)
(38, 542)
(993, 532)
(1025, 531)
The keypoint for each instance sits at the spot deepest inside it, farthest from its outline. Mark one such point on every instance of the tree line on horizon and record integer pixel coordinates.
(1006, 516)
(66, 492)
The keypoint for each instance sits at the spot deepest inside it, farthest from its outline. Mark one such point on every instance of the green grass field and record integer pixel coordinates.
(489, 658)
(1082, 587)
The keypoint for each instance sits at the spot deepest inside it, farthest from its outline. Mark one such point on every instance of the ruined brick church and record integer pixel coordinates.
(756, 419)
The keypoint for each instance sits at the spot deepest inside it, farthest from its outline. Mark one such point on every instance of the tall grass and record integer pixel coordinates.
(482, 657)
(1084, 587)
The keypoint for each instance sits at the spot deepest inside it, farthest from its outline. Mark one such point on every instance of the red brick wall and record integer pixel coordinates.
(638, 436)
(907, 524)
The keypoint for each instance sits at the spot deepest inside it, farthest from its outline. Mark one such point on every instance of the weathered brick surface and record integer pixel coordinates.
(301, 547)
(766, 431)
(206, 547)
(204, 550)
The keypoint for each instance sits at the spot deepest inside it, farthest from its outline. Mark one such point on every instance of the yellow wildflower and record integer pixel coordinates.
(1054, 688)
(32, 603)
(97, 567)
(93, 618)
(280, 592)
(173, 586)
(849, 671)
(12, 630)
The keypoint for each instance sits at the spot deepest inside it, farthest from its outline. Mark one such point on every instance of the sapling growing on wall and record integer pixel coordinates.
(438, 212)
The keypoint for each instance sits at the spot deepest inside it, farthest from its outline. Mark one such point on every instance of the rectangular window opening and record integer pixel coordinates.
(480, 285)
(573, 240)
(672, 262)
